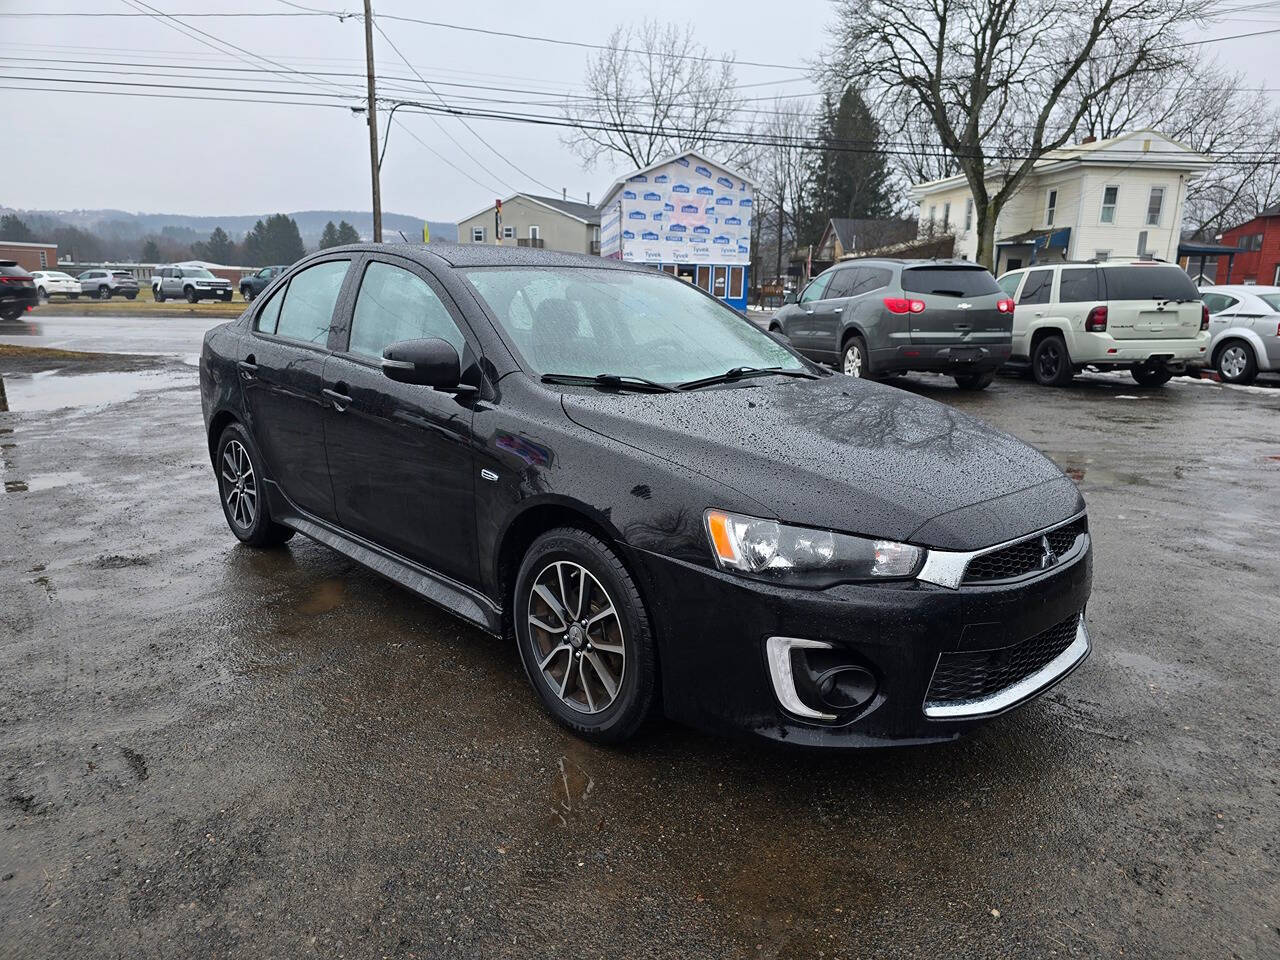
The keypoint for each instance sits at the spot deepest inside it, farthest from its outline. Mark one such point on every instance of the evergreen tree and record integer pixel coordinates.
(12, 228)
(219, 249)
(274, 240)
(150, 252)
(852, 176)
(329, 238)
(347, 233)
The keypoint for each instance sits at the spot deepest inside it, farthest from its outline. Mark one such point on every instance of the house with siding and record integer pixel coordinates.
(1120, 197)
(1257, 243)
(529, 220)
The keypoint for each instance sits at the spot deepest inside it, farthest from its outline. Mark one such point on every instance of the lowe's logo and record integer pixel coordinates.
(675, 238)
(680, 188)
(702, 228)
(628, 235)
(706, 191)
(648, 235)
(743, 249)
(721, 239)
(733, 221)
(651, 196)
(669, 207)
(677, 228)
(702, 171)
(639, 178)
(657, 214)
(689, 208)
(628, 194)
(661, 178)
(637, 215)
(744, 202)
(724, 200)
(683, 161)
(725, 182)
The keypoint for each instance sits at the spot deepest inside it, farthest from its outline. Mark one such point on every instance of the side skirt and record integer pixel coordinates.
(457, 598)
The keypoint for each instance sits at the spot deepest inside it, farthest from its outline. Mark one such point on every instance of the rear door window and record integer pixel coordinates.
(1148, 283)
(842, 283)
(950, 281)
(1037, 288)
(307, 311)
(871, 279)
(1079, 285)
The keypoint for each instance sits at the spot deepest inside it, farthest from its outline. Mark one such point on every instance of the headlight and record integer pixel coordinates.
(800, 556)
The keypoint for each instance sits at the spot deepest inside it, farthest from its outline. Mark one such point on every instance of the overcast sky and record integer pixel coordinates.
(171, 156)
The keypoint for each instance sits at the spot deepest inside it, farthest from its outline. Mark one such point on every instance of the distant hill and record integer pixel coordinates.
(310, 223)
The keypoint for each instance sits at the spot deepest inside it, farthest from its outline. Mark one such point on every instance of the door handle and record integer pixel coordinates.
(338, 396)
(808, 313)
(838, 310)
(247, 367)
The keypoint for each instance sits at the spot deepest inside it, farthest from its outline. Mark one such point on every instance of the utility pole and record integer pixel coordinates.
(372, 117)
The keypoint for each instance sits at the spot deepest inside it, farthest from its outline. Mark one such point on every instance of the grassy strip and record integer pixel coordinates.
(120, 307)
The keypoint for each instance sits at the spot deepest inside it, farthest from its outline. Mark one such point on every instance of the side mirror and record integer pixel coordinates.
(428, 363)
(790, 298)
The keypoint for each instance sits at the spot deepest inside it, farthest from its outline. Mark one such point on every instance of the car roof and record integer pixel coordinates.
(487, 255)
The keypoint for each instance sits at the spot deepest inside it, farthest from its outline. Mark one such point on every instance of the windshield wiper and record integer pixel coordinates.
(614, 381)
(741, 373)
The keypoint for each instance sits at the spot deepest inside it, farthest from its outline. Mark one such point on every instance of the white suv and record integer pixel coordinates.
(1144, 315)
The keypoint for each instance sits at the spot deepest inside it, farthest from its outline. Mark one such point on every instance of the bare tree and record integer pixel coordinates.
(654, 91)
(995, 77)
(782, 164)
(1212, 111)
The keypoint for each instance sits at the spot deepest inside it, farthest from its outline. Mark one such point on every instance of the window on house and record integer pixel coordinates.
(1109, 197)
(946, 215)
(44, 260)
(535, 232)
(477, 234)
(1050, 208)
(933, 213)
(735, 282)
(1155, 206)
(1102, 254)
(595, 234)
(1252, 242)
(968, 214)
(508, 233)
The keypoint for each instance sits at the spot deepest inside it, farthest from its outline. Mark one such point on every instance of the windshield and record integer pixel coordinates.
(1272, 300)
(123, 274)
(949, 281)
(585, 321)
(1148, 283)
(200, 272)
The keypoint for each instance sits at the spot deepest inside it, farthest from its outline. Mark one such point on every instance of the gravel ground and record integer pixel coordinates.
(211, 751)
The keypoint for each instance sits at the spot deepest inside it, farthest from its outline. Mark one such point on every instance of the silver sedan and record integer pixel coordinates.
(1244, 321)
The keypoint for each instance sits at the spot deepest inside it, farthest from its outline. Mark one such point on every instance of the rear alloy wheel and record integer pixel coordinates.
(1050, 363)
(158, 294)
(1151, 374)
(584, 636)
(240, 486)
(853, 359)
(191, 295)
(104, 293)
(975, 381)
(1236, 363)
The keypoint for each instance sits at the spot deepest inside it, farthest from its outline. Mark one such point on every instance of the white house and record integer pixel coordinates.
(1120, 197)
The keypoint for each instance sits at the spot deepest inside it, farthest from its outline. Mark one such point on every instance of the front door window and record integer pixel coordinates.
(394, 305)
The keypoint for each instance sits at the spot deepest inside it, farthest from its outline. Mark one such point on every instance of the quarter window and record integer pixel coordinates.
(1110, 196)
(1037, 288)
(395, 305)
(307, 311)
(1155, 206)
(1217, 302)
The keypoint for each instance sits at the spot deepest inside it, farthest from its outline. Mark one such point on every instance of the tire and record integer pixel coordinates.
(618, 647)
(158, 293)
(1151, 374)
(73, 296)
(226, 297)
(1236, 362)
(131, 296)
(975, 381)
(248, 513)
(190, 294)
(42, 295)
(853, 358)
(1050, 362)
(104, 293)
(247, 294)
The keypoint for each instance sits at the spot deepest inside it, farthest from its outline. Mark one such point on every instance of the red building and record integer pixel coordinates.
(1258, 242)
(30, 256)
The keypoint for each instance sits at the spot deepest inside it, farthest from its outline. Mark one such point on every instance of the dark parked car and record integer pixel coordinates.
(876, 318)
(656, 500)
(253, 285)
(17, 291)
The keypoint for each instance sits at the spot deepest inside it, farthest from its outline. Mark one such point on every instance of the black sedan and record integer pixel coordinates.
(18, 292)
(658, 502)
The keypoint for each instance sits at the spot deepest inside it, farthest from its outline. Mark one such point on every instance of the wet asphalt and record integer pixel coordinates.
(211, 751)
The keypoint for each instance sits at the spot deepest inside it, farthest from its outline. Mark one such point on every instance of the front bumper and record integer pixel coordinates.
(714, 630)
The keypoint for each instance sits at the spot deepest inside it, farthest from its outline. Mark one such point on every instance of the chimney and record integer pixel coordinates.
(1089, 139)
(588, 196)
(564, 193)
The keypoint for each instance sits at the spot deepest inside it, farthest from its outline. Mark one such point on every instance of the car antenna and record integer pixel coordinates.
(402, 236)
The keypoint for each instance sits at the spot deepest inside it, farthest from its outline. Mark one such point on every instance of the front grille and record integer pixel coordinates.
(1024, 557)
(974, 675)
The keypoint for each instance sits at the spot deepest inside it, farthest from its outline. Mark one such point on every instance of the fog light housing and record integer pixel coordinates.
(817, 681)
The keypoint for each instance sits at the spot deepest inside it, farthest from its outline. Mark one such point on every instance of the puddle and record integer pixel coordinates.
(45, 481)
(46, 391)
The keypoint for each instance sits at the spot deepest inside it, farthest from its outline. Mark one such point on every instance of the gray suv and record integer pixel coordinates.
(194, 283)
(881, 317)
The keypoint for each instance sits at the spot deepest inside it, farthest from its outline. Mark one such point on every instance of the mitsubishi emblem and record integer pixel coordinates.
(1047, 557)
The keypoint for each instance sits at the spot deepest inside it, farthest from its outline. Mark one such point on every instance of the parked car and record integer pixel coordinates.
(104, 284)
(51, 283)
(648, 493)
(252, 285)
(876, 318)
(1244, 326)
(17, 290)
(193, 283)
(1144, 316)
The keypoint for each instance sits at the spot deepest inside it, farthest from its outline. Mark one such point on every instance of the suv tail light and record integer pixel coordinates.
(1005, 305)
(903, 305)
(1204, 316)
(1096, 322)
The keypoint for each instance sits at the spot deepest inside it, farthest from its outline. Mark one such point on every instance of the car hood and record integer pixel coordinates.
(847, 455)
